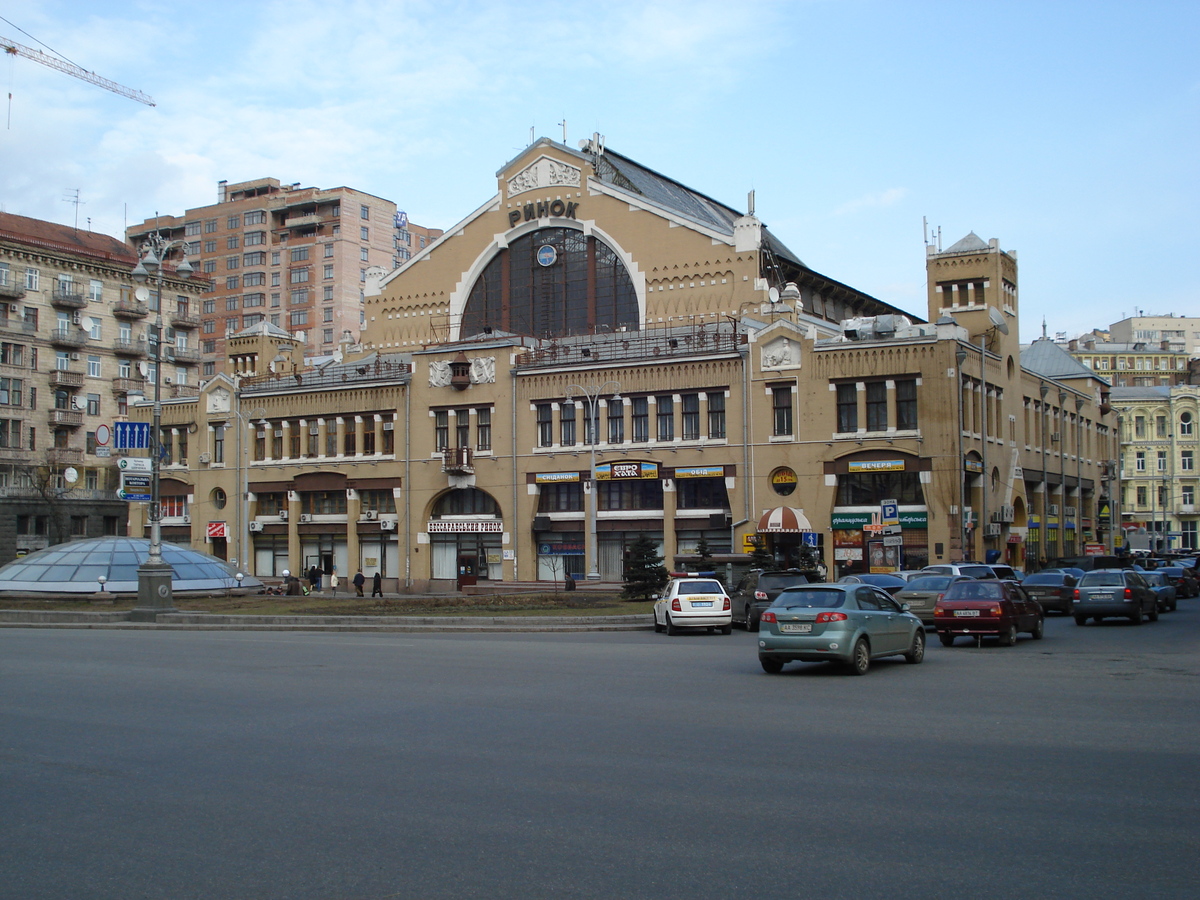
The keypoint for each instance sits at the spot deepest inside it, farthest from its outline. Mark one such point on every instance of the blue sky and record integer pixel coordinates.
(1068, 130)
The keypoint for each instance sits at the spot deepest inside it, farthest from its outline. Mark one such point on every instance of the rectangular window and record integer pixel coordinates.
(483, 429)
(691, 417)
(218, 443)
(32, 278)
(95, 291)
(234, 221)
(441, 429)
(847, 408)
(364, 254)
(877, 417)
(256, 258)
(298, 318)
(1139, 426)
(232, 283)
(232, 242)
(5, 275)
(250, 300)
(210, 266)
(364, 212)
(640, 419)
(781, 405)
(365, 233)
(93, 404)
(462, 428)
(298, 276)
(299, 296)
(255, 217)
(327, 336)
(299, 254)
(664, 417)
(566, 417)
(210, 225)
(616, 422)
(716, 414)
(1160, 426)
(1140, 462)
(545, 425)
(1186, 461)
(254, 279)
(93, 363)
(906, 404)
(1162, 460)
(191, 229)
(328, 271)
(329, 251)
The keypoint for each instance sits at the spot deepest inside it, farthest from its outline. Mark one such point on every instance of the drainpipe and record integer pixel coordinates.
(407, 483)
(512, 377)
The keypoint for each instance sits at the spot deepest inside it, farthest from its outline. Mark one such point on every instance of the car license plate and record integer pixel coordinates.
(1101, 597)
(915, 603)
(795, 628)
(966, 612)
(701, 604)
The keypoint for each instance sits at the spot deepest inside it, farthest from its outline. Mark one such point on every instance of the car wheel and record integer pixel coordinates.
(1009, 637)
(672, 629)
(946, 639)
(916, 653)
(1136, 618)
(1153, 614)
(1069, 609)
(727, 629)
(860, 661)
(771, 666)
(752, 622)
(1081, 620)
(1039, 629)
(657, 627)
(1173, 604)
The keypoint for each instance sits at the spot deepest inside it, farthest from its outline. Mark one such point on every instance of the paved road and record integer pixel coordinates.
(362, 767)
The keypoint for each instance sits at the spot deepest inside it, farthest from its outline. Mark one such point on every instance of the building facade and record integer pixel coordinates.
(76, 348)
(294, 257)
(599, 352)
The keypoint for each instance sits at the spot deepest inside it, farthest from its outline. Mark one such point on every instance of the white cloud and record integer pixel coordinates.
(890, 197)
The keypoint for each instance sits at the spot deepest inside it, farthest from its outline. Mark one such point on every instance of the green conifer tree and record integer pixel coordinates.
(644, 572)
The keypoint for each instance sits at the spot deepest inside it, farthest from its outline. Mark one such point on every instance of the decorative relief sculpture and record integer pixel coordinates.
(483, 370)
(439, 374)
(777, 354)
(218, 401)
(544, 172)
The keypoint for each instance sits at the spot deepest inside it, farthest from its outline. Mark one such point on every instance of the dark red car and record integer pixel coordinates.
(997, 609)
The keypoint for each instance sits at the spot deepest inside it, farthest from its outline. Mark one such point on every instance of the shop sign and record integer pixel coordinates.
(749, 543)
(444, 527)
(217, 530)
(700, 472)
(1016, 538)
(541, 209)
(555, 477)
(877, 465)
(562, 548)
(626, 470)
(1104, 514)
(848, 553)
(972, 465)
(859, 519)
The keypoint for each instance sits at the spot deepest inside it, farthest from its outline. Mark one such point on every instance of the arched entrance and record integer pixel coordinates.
(466, 534)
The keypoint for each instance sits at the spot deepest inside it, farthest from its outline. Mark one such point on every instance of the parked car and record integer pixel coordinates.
(1053, 590)
(757, 591)
(693, 603)
(974, 570)
(1005, 573)
(995, 608)
(848, 623)
(1114, 592)
(922, 594)
(889, 583)
(1183, 579)
(1069, 570)
(1164, 591)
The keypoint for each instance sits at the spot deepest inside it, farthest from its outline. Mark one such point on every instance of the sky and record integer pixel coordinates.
(1067, 130)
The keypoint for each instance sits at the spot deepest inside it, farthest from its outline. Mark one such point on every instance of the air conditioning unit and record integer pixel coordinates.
(991, 530)
(183, 462)
(205, 458)
(14, 309)
(305, 517)
(1053, 509)
(76, 318)
(1056, 437)
(387, 525)
(1069, 510)
(1007, 513)
(283, 514)
(256, 526)
(370, 514)
(75, 356)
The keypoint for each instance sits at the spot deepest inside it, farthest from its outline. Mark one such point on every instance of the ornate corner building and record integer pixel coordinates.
(598, 352)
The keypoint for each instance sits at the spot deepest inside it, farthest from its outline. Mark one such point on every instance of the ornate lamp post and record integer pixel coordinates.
(960, 356)
(154, 575)
(592, 394)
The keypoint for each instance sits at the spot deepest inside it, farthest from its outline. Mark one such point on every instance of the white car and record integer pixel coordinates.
(693, 603)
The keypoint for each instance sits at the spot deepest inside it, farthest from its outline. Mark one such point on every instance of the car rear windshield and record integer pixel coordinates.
(1046, 578)
(1102, 579)
(779, 582)
(975, 590)
(700, 587)
(820, 598)
(929, 583)
(977, 571)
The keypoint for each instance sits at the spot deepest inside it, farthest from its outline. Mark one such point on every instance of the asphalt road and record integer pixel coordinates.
(361, 767)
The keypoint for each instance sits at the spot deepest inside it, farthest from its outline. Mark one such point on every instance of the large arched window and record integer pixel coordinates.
(466, 502)
(578, 287)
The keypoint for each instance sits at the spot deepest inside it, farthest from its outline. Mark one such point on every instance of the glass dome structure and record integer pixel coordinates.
(76, 567)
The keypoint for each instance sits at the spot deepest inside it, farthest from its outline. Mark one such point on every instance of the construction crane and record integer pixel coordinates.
(14, 49)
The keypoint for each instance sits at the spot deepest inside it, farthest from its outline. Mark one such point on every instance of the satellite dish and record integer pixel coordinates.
(142, 293)
(70, 475)
(143, 368)
(997, 320)
(89, 323)
(773, 295)
(78, 402)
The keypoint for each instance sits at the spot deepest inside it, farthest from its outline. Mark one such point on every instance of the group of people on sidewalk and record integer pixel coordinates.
(314, 576)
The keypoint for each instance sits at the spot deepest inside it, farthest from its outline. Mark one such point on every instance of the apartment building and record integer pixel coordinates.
(296, 257)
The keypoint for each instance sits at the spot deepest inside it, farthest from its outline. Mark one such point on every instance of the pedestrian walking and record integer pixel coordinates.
(314, 577)
(359, 581)
(333, 581)
(377, 585)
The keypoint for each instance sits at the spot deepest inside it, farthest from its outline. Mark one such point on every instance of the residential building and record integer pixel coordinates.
(599, 352)
(296, 257)
(1134, 363)
(1179, 333)
(76, 344)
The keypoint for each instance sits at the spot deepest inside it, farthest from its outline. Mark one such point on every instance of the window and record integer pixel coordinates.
(10, 391)
(616, 422)
(250, 300)
(483, 429)
(298, 276)
(906, 404)
(877, 418)
(254, 279)
(10, 433)
(255, 217)
(664, 417)
(1140, 462)
(256, 258)
(1187, 495)
(1185, 424)
(1139, 426)
(93, 363)
(847, 408)
(209, 368)
(329, 251)
(328, 271)
(94, 328)
(716, 414)
(1160, 426)
(231, 303)
(209, 326)
(364, 212)
(781, 406)
(95, 290)
(1186, 462)
(12, 354)
(190, 229)
(299, 254)
(545, 425)
(210, 266)
(441, 429)
(1162, 460)
(560, 497)
(640, 419)
(462, 428)
(298, 318)
(32, 278)
(210, 225)
(299, 296)
(93, 404)
(691, 417)
(364, 233)
(364, 254)
(566, 416)
(232, 242)
(274, 279)
(232, 283)
(5, 275)
(327, 294)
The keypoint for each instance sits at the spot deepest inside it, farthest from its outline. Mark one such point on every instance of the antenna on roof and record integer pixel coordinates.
(750, 203)
(1044, 335)
(563, 123)
(72, 196)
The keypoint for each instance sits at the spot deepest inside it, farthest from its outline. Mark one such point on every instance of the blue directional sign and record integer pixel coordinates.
(809, 538)
(131, 435)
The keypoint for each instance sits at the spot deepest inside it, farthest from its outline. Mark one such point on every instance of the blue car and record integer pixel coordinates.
(851, 624)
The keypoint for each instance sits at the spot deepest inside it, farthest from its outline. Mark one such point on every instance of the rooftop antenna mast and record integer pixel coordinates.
(54, 62)
(563, 123)
(73, 197)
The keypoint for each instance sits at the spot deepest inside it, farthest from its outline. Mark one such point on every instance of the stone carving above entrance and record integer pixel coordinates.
(544, 172)
(780, 354)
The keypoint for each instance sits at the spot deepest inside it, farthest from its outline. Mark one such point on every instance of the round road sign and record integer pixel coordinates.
(103, 435)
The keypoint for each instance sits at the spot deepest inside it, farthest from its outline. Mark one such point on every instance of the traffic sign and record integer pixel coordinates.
(889, 512)
(809, 538)
(103, 435)
(131, 464)
(132, 435)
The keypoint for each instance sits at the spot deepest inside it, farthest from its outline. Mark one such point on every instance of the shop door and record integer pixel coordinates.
(468, 569)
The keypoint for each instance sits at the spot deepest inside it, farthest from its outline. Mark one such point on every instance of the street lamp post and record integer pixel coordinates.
(960, 356)
(1044, 391)
(154, 575)
(592, 394)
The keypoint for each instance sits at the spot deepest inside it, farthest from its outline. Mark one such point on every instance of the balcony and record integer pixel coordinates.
(183, 319)
(457, 461)
(73, 336)
(12, 291)
(64, 456)
(129, 385)
(1187, 509)
(189, 356)
(181, 391)
(130, 348)
(60, 378)
(130, 309)
(69, 417)
(311, 220)
(64, 296)
(18, 455)
(16, 323)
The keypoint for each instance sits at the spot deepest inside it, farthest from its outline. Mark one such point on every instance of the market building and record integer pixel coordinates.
(598, 352)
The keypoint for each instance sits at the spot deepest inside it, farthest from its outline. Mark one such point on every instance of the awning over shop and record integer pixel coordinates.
(784, 520)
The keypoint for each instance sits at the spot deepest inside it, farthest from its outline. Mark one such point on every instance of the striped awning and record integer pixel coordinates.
(784, 520)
